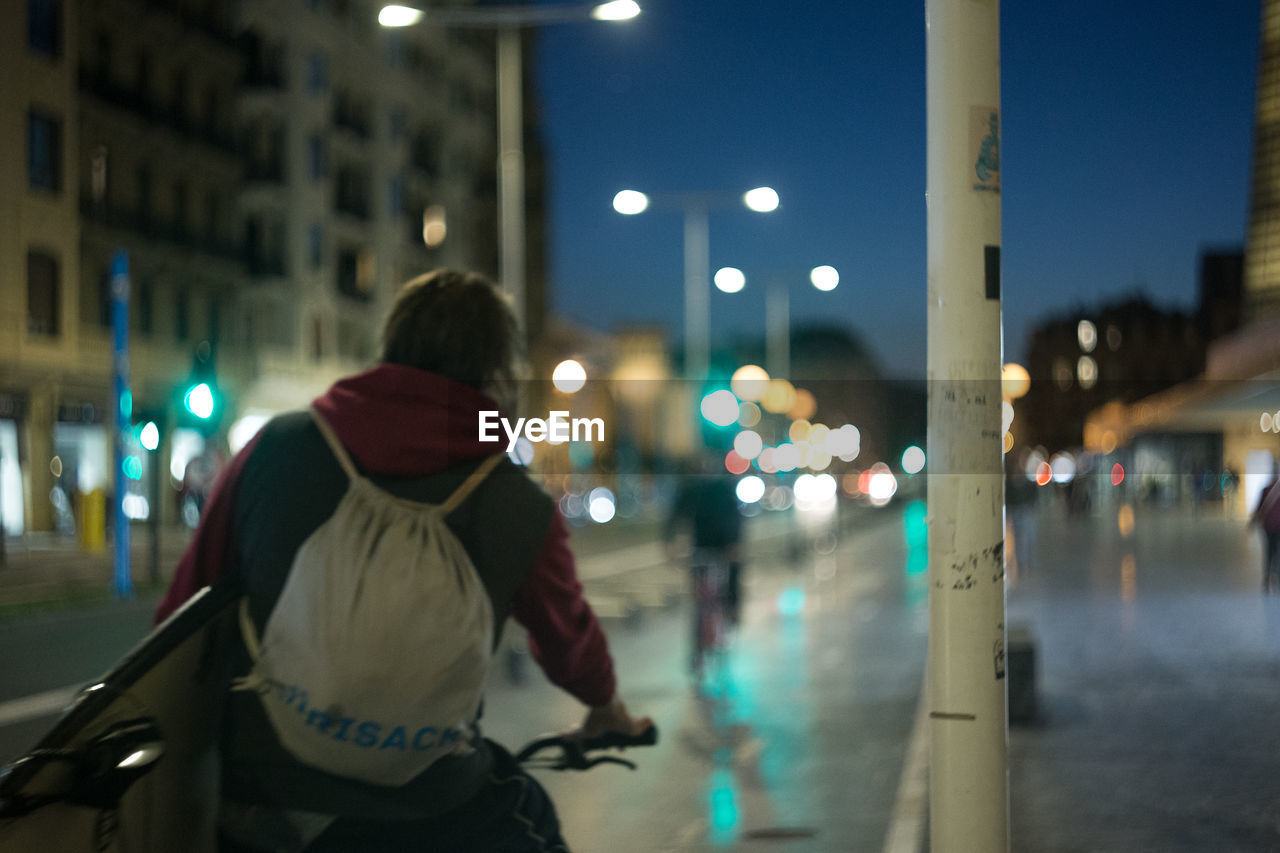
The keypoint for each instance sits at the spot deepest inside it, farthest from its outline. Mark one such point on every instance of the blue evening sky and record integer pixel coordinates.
(1126, 138)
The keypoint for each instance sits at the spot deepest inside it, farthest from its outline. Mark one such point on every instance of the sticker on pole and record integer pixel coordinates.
(984, 148)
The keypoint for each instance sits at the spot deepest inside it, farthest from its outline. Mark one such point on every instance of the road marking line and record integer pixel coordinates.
(36, 705)
(910, 805)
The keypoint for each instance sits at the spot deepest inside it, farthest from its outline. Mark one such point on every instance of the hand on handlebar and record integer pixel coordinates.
(611, 718)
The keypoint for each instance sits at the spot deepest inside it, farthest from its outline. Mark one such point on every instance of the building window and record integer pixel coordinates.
(44, 151)
(104, 299)
(142, 81)
(315, 157)
(215, 320)
(44, 26)
(182, 315)
(395, 196)
(145, 207)
(315, 246)
(317, 73)
(42, 294)
(212, 217)
(180, 194)
(145, 304)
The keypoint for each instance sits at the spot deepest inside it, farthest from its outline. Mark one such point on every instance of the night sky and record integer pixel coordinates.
(1126, 138)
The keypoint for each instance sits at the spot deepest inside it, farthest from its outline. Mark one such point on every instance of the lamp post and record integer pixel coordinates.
(777, 310)
(697, 256)
(508, 21)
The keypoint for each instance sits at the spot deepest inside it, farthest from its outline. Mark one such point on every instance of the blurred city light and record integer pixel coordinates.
(882, 485)
(399, 16)
(1117, 474)
(913, 460)
(1124, 521)
(786, 457)
(616, 10)
(729, 279)
(1087, 335)
(791, 601)
(748, 414)
(199, 400)
(765, 461)
(434, 228)
(569, 376)
(1014, 381)
(799, 430)
(824, 277)
(805, 405)
(761, 199)
(1063, 467)
(749, 382)
(1087, 372)
(846, 443)
(522, 453)
(750, 489)
(1006, 415)
(244, 429)
(720, 407)
(149, 436)
(1044, 474)
(779, 397)
(735, 464)
(136, 507)
(601, 505)
(748, 444)
(630, 202)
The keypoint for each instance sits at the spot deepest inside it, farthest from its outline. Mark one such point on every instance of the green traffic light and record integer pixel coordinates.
(199, 400)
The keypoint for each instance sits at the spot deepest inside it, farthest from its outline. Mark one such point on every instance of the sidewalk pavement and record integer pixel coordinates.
(1159, 687)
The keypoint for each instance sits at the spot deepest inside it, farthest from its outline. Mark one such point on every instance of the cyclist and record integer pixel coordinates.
(707, 505)
(411, 425)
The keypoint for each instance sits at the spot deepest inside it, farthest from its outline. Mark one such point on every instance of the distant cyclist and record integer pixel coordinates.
(707, 506)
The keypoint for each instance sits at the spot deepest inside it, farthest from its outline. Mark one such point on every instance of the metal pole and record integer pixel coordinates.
(697, 293)
(511, 269)
(777, 314)
(968, 775)
(123, 414)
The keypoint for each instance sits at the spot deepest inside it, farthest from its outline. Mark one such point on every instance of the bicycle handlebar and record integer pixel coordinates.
(575, 752)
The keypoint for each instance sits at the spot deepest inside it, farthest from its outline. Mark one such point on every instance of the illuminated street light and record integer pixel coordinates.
(761, 199)
(697, 260)
(778, 309)
(729, 279)
(569, 376)
(508, 21)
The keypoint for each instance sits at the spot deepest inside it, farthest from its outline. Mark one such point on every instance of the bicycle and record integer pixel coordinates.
(575, 752)
(711, 619)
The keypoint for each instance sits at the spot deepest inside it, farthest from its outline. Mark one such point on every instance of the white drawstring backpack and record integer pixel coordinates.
(372, 665)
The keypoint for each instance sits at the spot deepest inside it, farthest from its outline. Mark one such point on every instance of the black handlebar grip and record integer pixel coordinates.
(648, 737)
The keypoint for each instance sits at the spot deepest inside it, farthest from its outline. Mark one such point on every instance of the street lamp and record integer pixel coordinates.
(697, 261)
(508, 21)
(777, 310)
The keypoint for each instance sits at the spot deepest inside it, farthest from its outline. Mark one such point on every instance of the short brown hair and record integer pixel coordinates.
(457, 324)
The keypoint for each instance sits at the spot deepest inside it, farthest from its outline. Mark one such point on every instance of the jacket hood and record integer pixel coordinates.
(395, 419)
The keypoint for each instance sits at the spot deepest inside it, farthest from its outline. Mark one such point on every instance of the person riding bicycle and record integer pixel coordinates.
(410, 424)
(706, 504)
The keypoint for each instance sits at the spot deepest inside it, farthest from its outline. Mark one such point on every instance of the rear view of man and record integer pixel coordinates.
(407, 431)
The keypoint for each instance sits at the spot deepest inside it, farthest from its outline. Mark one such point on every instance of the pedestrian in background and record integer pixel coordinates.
(1267, 516)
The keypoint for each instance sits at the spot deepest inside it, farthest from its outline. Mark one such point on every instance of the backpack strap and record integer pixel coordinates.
(331, 438)
(469, 485)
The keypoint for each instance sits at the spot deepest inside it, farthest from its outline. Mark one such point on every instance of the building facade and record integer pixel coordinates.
(274, 170)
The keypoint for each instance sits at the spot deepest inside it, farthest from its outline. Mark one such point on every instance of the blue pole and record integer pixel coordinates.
(123, 585)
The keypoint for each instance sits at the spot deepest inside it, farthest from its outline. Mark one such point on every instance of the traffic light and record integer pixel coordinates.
(201, 400)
